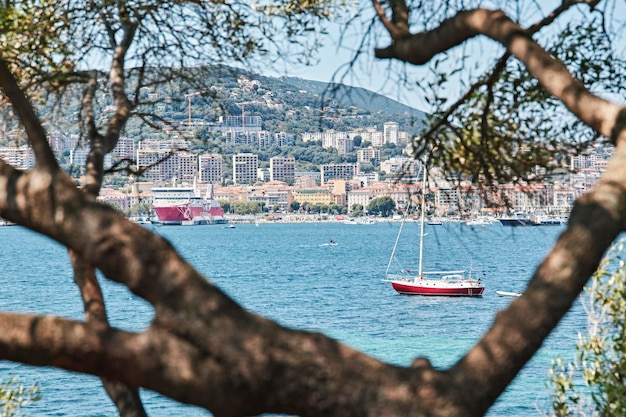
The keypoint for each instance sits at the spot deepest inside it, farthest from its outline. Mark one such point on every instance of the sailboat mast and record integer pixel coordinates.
(422, 221)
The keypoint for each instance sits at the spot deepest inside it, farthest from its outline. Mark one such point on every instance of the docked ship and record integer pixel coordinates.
(186, 206)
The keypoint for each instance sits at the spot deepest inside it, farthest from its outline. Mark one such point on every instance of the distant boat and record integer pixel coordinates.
(478, 222)
(550, 221)
(434, 222)
(444, 283)
(508, 293)
(230, 226)
(518, 220)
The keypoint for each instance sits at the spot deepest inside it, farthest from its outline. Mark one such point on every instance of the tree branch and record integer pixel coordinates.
(601, 115)
(34, 131)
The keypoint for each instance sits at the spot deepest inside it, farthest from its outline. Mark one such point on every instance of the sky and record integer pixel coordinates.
(371, 73)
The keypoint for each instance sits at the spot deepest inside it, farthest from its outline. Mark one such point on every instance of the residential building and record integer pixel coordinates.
(283, 168)
(305, 181)
(20, 157)
(159, 165)
(401, 165)
(316, 175)
(187, 168)
(318, 195)
(125, 148)
(369, 155)
(337, 171)
(390, 133)
(245, 166)
(210, 168)
(360, 196)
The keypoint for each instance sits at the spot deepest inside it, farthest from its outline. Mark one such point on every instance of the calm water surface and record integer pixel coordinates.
(289, 273)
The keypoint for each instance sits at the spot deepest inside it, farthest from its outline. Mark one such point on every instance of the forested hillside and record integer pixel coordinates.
(287, 104)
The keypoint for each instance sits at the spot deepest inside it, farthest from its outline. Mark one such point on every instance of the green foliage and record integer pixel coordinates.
(14, 396)
(357, 210)
(384, 206)
(250, 207)
(593, 383)
(506, 125)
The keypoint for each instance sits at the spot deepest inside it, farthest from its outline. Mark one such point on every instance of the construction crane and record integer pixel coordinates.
(243, 104)
(189, 96)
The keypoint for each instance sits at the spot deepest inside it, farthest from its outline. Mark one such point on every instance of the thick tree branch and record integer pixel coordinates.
(518, 332)
(494, 73)
(601, 115)
(126, 399)
(34, 131)
(398, 27)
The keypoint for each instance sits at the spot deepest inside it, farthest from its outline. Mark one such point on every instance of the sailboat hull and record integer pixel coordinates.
(439, 288)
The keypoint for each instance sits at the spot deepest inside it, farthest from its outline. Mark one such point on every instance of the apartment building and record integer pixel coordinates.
(187, 169)
(20, 157)
(390, 133)
(245, 166)
(369, 155)
(125, 148)
(337, 172)
(318, 195)
(283, 168)
(210, 168)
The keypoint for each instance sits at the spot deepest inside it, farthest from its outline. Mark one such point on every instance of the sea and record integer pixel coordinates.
(291, 273)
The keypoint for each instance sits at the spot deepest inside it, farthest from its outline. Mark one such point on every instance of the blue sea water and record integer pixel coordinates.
(289, 273)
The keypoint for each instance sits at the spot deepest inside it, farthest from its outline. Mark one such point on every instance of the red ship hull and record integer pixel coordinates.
(188, 212)
(186, 205)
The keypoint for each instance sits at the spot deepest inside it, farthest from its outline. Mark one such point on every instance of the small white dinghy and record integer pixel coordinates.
(508, 293)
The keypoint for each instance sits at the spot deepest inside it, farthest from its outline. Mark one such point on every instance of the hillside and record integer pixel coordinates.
(353, 96)
(286, 104)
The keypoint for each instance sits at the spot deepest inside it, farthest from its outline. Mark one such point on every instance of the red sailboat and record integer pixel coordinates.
(439, 283)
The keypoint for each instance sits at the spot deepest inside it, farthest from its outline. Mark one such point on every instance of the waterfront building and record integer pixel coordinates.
(360, 196)
(276, 196)
(245, 167)
(231, 194)
(318, 195)
(563, 198)
(114, 198)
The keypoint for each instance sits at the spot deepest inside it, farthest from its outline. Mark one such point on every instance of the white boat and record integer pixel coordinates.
(508, 293)
(478, 221)
(442, 283)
